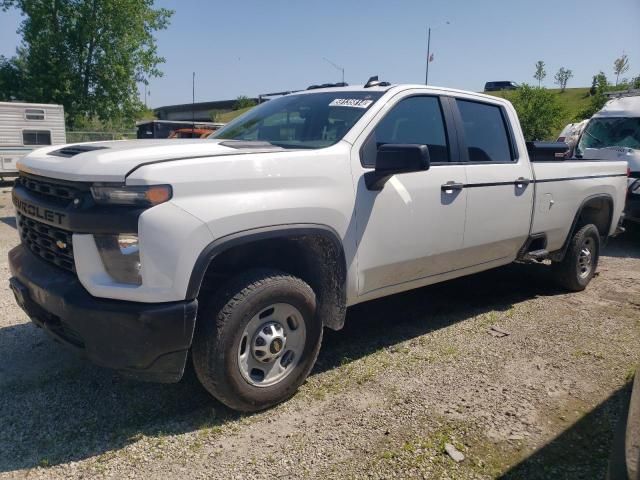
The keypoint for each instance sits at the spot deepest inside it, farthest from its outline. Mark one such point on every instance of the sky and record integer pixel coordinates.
(249, 47)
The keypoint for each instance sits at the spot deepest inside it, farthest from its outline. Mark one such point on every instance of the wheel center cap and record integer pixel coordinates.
(269, 342)
(276, 346)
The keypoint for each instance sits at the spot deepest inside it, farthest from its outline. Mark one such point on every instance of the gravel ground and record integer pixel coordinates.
(406, 376)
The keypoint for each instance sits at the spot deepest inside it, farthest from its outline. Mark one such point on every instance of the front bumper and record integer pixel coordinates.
(147, 341)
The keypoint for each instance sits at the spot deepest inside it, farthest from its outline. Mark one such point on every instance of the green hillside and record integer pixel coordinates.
(574, 100)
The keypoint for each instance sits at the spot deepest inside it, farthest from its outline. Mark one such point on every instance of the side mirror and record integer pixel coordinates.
(393, 158)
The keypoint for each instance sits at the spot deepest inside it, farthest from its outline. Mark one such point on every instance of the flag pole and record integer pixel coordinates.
(426, 79)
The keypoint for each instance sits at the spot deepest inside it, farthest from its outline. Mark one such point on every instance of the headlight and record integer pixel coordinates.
(121, 257)
(138, 195)
(635, 187)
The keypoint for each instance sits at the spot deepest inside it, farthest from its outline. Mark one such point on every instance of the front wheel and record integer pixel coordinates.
(257, 339)
(579, 265)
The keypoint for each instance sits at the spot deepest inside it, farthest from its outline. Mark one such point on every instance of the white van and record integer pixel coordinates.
(613, 133)
(25, 127)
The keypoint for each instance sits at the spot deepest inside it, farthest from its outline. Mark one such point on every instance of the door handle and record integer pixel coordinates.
(522, 182)
(451, 186)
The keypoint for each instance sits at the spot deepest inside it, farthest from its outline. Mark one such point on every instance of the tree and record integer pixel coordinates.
(599, 86)
(540, 72)
(243, 102)
(562, 77)
(539, 111)
(87, 55)
(620, 66)
(594, 85)
(11, 79)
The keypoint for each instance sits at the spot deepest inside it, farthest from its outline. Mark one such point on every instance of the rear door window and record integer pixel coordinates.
(485, 132)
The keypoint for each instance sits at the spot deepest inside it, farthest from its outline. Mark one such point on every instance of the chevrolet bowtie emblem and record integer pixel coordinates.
(61, 245)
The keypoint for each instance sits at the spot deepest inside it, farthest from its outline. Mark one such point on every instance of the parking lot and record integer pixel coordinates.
(535, 397)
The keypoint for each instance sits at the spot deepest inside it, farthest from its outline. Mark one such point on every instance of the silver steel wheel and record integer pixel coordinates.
(586, 258)
(271, 345)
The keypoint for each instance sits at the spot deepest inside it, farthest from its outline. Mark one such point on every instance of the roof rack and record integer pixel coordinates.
(374, 82)
(328, 85)
(632, 92)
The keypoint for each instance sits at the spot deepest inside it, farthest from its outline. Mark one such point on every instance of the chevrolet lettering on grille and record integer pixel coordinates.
(38, 212)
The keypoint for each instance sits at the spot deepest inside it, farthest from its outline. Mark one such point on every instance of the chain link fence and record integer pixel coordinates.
(81, 136)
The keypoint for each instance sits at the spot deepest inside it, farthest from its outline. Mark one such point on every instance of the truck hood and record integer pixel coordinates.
(629, 155)
(112, 161)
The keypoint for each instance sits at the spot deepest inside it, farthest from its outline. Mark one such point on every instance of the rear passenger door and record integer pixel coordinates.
(499, 187)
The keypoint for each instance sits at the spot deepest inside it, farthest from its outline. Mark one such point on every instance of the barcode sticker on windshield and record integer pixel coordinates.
(351, 102)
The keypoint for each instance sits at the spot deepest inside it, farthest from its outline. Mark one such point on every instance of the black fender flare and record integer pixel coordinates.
(216, 248)
(558, 255)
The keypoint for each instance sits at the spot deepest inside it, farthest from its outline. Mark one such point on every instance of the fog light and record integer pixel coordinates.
(121, 257)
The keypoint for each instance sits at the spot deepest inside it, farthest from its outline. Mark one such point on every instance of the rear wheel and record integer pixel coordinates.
(257, 339)
(579, 265)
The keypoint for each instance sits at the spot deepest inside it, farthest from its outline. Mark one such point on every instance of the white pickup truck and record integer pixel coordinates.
(241, 248)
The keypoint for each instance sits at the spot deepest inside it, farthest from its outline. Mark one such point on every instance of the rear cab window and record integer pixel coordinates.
(485, 132)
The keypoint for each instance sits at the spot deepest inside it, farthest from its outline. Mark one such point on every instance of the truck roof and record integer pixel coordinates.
(621, 107)
(400, 87)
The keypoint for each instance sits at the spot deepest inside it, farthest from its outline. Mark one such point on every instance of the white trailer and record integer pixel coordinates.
(25, 127)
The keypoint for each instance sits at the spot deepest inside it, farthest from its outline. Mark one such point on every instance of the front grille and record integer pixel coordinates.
(52, 244)
(62, 193)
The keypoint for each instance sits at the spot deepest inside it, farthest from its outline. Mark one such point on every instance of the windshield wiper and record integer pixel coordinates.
(294, 146)
(594, 137)
(233, 143)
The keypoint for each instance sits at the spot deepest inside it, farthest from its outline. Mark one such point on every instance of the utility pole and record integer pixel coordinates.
(193, 101)
(337, 67)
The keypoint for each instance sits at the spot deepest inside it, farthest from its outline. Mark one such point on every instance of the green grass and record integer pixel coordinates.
(226, 117)
(574, 100)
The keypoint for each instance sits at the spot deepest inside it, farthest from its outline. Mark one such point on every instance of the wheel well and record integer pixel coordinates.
(315, 258)
(599, 211)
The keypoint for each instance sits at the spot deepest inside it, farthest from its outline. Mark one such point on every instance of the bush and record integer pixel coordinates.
(243, 102)
(215, 115)
(539, 111)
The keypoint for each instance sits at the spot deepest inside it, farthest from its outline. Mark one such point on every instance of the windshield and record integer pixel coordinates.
(611, 132)
(314, 120)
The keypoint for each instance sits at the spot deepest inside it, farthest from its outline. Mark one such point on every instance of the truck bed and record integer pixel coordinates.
(563, 186)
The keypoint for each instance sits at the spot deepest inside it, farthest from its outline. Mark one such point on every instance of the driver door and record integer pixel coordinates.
(410, 231)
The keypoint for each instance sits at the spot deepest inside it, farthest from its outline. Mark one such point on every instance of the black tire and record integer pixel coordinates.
(219, 331)
(570, 272)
